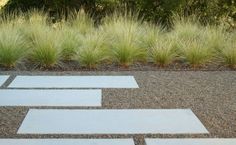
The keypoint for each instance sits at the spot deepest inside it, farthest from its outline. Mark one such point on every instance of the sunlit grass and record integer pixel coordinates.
(70, 42)
(92, 50)
(81, 22)
(185, 28)
(196, 53)
(163, 52)
(36, 17)
(13, 47)
(45, 48)
(123, 33)
(151, 34)
(121, 39)
(215, 36)
(227, 54)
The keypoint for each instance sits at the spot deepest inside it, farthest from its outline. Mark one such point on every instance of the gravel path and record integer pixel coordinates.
(211, 95)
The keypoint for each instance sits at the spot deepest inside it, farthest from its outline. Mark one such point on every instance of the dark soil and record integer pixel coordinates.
(74, 66)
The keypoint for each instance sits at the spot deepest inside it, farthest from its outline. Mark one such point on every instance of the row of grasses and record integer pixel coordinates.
(119, 39)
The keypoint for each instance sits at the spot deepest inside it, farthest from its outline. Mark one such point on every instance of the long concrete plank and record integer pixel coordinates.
(213, 141)
(27, 97)
(66, 142)
(74, 82)
(139, 121)
(3, 78)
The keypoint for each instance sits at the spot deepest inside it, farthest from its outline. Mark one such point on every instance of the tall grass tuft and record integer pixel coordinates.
(123, 39)
(34, 22)
(196, 53)
(92, 50)
(70, 42)
(37, 17)
(45, 48)
(185, 28)
(81, 22)
(123, 33)
(228, 53)
(163, 52)
(191, 41)
(13, 46)
(151, 34)
(215, 36)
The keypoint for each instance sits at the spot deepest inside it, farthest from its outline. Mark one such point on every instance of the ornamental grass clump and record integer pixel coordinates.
(151, 34)
(163, 52)
(196, 53)
(45, 51)
(36, 17)
(216, 37)
(92, 50)
(81, 22)
(191, 42)
(12, 19)
(70, 42)
(227, 54)
(123, 33)
(13, 46)
(185, 29)
(45, 48)
(34, 23)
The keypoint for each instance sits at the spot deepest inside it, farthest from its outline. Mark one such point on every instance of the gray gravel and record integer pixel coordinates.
(210, 94)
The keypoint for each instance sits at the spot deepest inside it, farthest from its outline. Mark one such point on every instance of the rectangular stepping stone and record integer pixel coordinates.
(66, 142)
(50, 97)
(190, 141)
(74, 82)
(3, 78)
(141, 121)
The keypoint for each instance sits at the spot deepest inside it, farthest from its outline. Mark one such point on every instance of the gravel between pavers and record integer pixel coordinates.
(211, 95)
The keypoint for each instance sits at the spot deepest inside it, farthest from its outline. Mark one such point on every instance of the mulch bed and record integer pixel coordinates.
(140, 66)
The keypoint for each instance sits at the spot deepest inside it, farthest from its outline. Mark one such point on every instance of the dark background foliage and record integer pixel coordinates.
(208, 11)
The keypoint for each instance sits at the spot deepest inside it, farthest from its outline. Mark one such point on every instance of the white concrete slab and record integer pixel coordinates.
(66, 142)
(50, 97)
(3, 78)
(191, 141)
(74, 82)
(141, 121)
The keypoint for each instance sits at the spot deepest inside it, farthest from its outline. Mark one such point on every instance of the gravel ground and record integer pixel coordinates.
(210, 95)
